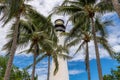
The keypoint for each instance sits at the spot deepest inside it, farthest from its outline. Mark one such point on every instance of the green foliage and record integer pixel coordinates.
(115, 74)
(16, 73)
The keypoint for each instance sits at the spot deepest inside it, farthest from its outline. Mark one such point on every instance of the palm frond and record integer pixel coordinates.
(67, 9)
(99, 27)
(65, 56)
(13, 10)
(37, 61)
(79, 48)
(105, 6)
(73, 42)
(87, 2)
(8, 46)
(56, 64)
(106, 45)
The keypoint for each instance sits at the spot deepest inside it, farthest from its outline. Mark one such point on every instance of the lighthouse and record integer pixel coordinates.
(62, 73)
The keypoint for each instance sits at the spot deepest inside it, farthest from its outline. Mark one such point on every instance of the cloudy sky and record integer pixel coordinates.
(45, 7)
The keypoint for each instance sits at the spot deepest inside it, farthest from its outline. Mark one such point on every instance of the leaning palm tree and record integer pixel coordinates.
(85, 11)
(14, 10)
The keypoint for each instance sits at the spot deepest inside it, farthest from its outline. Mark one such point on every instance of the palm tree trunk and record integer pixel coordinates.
(116, 5)
(97, 51)
(12, 51)
(48, 75)
(88, 64)
(34, 63)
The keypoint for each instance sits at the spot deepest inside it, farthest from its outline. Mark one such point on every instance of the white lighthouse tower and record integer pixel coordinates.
(62, 73)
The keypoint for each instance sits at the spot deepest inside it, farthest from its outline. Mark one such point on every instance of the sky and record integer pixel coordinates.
(76, 68)
(76, 72)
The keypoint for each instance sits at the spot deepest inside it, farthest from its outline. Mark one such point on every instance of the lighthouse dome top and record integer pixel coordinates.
(59, 25)
(59, 21)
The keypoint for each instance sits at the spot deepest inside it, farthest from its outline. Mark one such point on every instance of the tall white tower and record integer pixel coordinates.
(62, 73)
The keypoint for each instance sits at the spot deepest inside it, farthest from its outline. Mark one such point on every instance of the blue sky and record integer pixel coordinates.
(76, 65)
(76, 68)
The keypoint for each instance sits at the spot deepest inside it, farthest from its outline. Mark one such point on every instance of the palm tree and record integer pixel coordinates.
(84, 42)
(14, 10)
(37, 45)
(35, 32)
(82, 34)
(85, 11)
(35, 48)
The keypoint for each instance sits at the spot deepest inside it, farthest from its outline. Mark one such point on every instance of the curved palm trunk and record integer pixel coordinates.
(48, 75)
(88, 63)
(12, 51)
(116, 5)
(34, 63)
(97, 51)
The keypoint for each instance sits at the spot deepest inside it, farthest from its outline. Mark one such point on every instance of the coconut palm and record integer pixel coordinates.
(85, 11)
(84, 39)
(83, 36)
(36, 47)
(14, 10)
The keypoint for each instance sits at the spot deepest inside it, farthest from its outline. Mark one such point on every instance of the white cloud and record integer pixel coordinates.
(74, 72)
(40, 71)
(45, 6)
(42, 77)
(117, 48)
